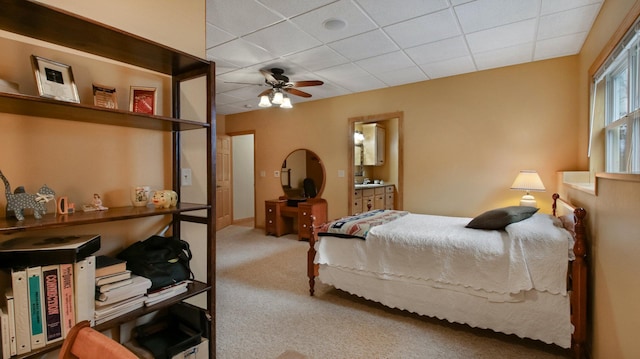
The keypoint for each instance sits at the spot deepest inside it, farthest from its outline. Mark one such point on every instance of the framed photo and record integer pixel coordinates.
(143, 100)
(54, 79)
(105, 96)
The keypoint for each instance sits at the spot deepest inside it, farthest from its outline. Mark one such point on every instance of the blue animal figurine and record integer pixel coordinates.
(18, 201)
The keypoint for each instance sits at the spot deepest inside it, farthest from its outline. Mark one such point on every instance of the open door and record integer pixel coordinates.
(223, 181)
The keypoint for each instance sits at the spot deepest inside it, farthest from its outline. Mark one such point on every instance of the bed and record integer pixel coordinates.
(527, 278)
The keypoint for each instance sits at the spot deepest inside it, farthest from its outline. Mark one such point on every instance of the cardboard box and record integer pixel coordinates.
(200, 351)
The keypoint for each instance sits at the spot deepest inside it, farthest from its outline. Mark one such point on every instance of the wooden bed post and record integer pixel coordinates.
(312, 269)
(579, 287)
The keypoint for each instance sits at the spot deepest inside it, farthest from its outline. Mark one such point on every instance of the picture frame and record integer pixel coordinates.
(105, 96)
(143, 100)
(54, 79)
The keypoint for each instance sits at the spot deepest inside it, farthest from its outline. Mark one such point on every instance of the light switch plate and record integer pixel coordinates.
(186, 177)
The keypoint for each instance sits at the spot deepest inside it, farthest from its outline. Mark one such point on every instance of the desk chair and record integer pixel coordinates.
(83, 342)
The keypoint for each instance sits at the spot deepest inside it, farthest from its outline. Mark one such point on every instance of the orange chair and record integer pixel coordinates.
(83, 342)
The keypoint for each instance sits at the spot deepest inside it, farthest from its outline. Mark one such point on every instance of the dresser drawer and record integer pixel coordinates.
(389, 201)
(357, 194)
(356, 206)
(369, 192)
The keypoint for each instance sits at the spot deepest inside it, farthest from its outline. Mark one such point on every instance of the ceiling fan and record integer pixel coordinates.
(280, 86)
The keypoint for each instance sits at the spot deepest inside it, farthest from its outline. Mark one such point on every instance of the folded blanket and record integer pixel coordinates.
(358, 226)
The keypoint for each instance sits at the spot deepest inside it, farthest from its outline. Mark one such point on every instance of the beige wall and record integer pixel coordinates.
(613, 223)
(77, 159)
(177, 24)
(489, 125)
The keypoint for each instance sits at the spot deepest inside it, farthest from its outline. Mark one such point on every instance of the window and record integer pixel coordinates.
(621, 116)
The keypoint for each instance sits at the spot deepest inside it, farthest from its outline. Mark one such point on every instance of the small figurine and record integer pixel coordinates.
(20, 200)
(96, 204)
(165, 199)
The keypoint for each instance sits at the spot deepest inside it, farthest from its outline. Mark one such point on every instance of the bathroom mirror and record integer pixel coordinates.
(299, 165)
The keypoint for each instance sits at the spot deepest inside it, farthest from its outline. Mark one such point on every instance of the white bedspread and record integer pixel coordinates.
(531, 254)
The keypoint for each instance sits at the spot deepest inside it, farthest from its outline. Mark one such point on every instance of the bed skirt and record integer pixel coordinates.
(540, 316)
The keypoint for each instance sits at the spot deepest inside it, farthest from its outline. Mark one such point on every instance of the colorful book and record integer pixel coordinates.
(84, 275)
(67, 299)
(39, 251)
(36, 309)
(52, 312)
(21, 306)
(106, 265)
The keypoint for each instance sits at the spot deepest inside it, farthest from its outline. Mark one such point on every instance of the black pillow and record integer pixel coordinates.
(501, 217)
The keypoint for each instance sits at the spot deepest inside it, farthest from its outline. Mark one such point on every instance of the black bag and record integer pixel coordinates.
(164, 260)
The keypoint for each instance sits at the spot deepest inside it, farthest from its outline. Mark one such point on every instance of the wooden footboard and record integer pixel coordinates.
(577, 277)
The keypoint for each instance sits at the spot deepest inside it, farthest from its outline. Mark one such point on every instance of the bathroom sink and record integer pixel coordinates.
(368, 185)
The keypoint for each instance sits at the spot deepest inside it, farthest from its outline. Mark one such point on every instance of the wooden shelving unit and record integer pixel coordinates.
(45, 23)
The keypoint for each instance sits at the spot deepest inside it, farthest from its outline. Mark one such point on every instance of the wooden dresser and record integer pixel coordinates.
(281, 219)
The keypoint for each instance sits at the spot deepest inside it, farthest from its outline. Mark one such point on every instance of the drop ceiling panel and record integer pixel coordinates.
(388, 12)
(368, 44)
(428, 28)
(356, 22)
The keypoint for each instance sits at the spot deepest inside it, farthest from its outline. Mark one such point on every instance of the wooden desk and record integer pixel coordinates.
(282, 219)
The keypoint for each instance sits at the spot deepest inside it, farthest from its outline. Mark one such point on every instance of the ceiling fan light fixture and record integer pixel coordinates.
(264, 101)
(278, 97)
(286, 103)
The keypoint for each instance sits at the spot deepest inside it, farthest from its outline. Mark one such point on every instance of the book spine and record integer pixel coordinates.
(36, 312)
(11, 312)
(21, 306)
(85, 283)
(52, 312)
(4, 329)
(67, 298)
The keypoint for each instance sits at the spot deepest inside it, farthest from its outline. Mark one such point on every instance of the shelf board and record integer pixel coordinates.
(49, 221)
(46, 23)
(50, 108)
(193, 289)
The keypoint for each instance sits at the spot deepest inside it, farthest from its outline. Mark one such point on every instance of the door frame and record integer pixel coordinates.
(243, 133)
(370, 119)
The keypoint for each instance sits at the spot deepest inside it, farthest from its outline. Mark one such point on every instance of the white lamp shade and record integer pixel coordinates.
(528, 181)
(264, 101)
(277, 98)
(286, 103)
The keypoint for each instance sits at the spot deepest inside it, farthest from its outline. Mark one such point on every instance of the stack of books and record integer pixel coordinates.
(167, 292)
(118, 291)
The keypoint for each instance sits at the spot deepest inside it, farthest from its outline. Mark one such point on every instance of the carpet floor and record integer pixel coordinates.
(263, 310)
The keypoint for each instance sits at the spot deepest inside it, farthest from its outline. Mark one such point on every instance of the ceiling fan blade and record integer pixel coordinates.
(269, 77)
(265, 93)
(297, 92)
(307, 83)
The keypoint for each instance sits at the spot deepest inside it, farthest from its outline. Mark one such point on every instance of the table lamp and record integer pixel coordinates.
(528, 180)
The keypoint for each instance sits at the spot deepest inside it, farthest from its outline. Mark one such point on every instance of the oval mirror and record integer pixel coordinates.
(302, 175)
